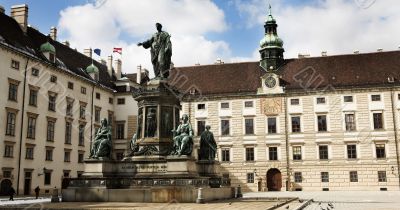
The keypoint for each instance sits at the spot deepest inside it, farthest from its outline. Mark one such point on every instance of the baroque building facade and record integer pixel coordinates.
(310, 123)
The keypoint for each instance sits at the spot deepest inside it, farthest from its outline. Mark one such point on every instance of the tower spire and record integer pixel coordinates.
(271, 46)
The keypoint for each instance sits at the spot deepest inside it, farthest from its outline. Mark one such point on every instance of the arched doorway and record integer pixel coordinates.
(274, 180)
(5, 186)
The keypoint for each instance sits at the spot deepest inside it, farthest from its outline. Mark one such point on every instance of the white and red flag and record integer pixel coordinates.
(117, 50)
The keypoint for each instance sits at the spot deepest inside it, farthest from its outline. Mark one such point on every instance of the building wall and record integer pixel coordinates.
(336, 138)
(38, 165)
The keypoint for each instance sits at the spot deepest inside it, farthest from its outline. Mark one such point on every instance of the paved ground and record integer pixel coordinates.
(356, 200)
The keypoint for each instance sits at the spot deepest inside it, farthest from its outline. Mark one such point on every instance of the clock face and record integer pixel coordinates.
(270, 82)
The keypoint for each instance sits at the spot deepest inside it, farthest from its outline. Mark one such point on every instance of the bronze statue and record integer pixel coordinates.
(161, 51)
(208, 146)
(151, 122)
(183, 138)
(102, 144)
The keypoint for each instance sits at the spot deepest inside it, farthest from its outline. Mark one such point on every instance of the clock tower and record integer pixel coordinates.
(271, 46)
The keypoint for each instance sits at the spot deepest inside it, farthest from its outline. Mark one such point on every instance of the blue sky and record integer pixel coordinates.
(204, 30)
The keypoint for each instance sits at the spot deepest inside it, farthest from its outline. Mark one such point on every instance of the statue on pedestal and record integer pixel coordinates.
(151, 122)
(102, 144)
(161, 51)
(183, 138)
(208, 146)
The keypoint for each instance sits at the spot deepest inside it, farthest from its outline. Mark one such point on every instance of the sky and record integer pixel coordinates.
(204, 30)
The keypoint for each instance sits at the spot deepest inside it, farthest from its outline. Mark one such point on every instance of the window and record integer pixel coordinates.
(69, 108)
(249, 154)
(10, 129)
(8, 151)
(298, 178)
(375, 97)
(382, 176)
(97, 95)
(97, 115)
(81, 135)
(82, 111)
(53, 79)
(15, 64)
(273, 153)
(29, 153)
(49, 154)
(13, 91)
(120, 130)
(321, 100)
(225, 130)
(398, 96)
(352, 151)
(323, 152)
(52, 102)
(297, 153)
(67, 156)
(353, 176)
(31, 132)
(350, 122)
(201, 106)
(66, 174)
(225, 154)
(80, 157)
(296, 125)
(250, 177)
(52, 57)
(83, 90)
(71, 85)
(271, 124)
(47, 178)
(324, 177)
(50, 130)
(201, 126)
(121, 101)
(33, 94)
(110, 118)
(7, 174)
(111, 100)
(249, 126)
(378, 122)
(225, 105)
(380, 150)
(294, 101)
(68, 131)
(35, 72)
(348, 99)
(248, 104)
(322, 123)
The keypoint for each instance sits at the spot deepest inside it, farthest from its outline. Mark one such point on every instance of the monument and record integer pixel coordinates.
(159, 165)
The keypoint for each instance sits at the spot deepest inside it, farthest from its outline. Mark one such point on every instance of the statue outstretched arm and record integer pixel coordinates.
(146, 44)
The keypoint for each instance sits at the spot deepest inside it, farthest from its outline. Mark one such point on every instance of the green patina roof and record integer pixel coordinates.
(47, 47)
(92, 69)
(271, 40)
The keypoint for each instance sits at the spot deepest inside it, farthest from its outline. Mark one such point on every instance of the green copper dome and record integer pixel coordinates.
(47, 47)
(92, 69)
(271, 41)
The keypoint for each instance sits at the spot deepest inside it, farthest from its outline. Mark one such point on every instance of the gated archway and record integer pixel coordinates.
(5, 186)
(274, 180)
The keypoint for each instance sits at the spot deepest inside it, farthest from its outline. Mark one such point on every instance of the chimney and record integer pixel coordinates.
(356, 52)
(53, 33)
(139, 74)
(2, 10)
(66, 43)
(118, 66)
(305, 55)
(324, 53)
(88, 52)
(20, 14)
(379, 50)
(109, 65)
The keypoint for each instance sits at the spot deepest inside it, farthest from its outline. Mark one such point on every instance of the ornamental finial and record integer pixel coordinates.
(270, 13)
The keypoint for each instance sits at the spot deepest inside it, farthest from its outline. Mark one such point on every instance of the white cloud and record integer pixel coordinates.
(123, 23)
(336, 26)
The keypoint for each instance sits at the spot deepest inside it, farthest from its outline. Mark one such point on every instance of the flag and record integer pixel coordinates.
(117, 50)
(97, 51)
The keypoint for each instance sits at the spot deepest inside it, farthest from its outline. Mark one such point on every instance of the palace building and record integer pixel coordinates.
(308, 123)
